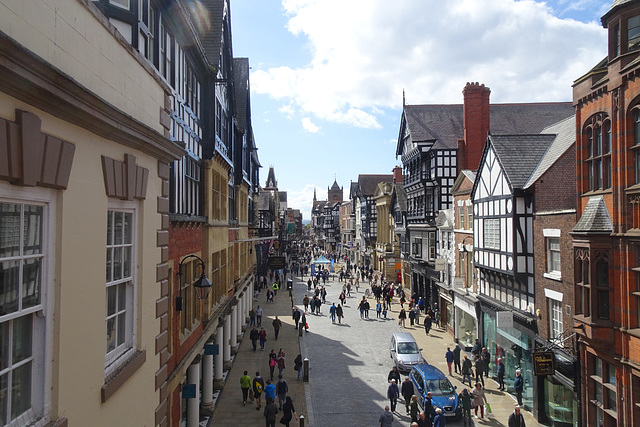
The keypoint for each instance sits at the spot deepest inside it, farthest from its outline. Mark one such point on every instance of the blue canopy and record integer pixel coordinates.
(321, 260)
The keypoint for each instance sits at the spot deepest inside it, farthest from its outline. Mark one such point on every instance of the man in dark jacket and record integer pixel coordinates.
(466, 370)
(392, 394)
(407, 392)
(427, 323)
(479, 365)
(393, 375)
(465, 403)
(518, 386)
(428, 409)
(516, 419)
(456, 359)
(475, 350)
(270, 411)
(500, 372)
(253, 335)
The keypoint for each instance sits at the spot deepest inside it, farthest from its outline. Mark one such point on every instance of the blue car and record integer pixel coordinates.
(427, 378)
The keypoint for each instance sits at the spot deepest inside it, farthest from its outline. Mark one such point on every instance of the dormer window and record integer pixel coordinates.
(633, 33)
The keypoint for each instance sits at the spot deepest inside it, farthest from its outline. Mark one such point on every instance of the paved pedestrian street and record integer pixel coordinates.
(349, 363)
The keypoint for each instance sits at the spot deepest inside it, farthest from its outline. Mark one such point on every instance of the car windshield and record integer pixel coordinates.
(440, 387)
(408, 348)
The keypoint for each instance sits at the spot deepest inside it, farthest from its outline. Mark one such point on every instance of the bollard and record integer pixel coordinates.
(305, 373)
(301, 421)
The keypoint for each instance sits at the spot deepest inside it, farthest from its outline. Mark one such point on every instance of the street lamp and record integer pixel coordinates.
(463, 249)
(202, 286)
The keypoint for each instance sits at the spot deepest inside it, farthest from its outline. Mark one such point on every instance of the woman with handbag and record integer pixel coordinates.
(479, 399)
(288, 412)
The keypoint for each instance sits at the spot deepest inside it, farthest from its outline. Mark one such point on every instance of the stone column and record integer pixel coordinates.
(207, 381)
(240, 320)
(234, 330)
(227, 341)
(193, 404)
(218, 360)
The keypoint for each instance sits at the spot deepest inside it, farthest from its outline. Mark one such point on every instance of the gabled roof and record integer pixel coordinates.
(367, 183)
(353, 189)
(595, 218)
(519, 155)
(335, 185)
(443, 124)
(465, 174)
(565, 132)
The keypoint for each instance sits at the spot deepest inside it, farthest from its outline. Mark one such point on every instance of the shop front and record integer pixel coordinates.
(514, 346)
(445, 301)
(466, 320)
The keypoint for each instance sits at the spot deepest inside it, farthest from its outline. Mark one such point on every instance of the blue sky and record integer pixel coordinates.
(327, 76)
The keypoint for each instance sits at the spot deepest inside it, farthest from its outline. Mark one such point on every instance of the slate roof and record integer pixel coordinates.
(443, 124)
(271, 179)
(282, 195)
(368, 183)
(565, 132)
(519, 155)
(617, 4)
(335, 185)
(401, 196)
(241, 89)
(212, 39)
(595, 218)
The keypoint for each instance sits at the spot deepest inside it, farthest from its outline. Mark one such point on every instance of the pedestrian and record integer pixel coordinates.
(323, 294)
(297, 365)
(252, 317)
(393, 375)
(439, 420)
(259, 316)
(263, 337)
(253, 336)
(427, 405)
(449, 358)
(277, 324)
(412, 317)
(422, 419)
(402, 316)
(273, 361)
(500, 373)
(318, 304)
(465, 402)
(518, 386)
(479, 399)
(456, 359)
(407, 391)
(475, 350)
(479, 365)
(339, 313)
(466, 369)
(367, 306)
(332, 312)
(258, 387)
(296, 317)
(312, 304)
(304, 323)
(486, 360)
(516, 419)
(288, 412)
(245, 385)
(270, 391)
(386, 418)
(413, 409)
(270, 412)
(427, 323)
(305, 302)
(361, 307)
(282, 388)
(378, 310)
(280, 359)
(392, 394)
(342, 297)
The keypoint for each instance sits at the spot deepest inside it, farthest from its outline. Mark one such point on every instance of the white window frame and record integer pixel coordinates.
(115, 358)
(556, 327)
(42, 325)
(552, 235)
(492, 233)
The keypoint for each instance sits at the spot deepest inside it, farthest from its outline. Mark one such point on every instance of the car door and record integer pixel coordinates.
(418, 386)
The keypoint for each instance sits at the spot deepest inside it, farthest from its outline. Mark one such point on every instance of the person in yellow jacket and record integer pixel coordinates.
(245, 385)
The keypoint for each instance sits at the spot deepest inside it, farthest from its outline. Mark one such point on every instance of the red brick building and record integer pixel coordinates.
(606, 245)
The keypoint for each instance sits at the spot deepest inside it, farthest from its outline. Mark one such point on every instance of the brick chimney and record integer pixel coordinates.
(476, 124)
(397, 175)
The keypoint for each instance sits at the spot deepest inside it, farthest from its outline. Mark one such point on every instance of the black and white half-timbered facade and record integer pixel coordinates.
(429, 165)
(503, 249)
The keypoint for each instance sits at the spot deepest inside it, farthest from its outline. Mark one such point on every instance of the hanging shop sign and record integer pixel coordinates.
(544, 363)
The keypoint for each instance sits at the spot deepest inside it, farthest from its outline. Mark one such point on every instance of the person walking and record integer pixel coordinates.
(412, 317)
(479, 365)
(427, 323)
(367, 306)
(407, 391)
(402, 316)
(280, 360)
(516, 419)
(270, 391)
(277, 324)
(414, 410)
(305, 302)
(288, 411)
(486, 360)
(252, 317)
(449, 358)
(465, 402)
(339, 313)
(518, 386)
(466, 369)
(392, 394)
(386, 418)
(378, 309)
(479, 399)
(253, 336)
(273, 361)
(456, 359)
(475, 350)
(342, 297)
(361, 307)
(282, 388)
(427, 405)
(500, 373)
(270, 412)
(393, 375)
(297, 365)
(262, 335)
(245, 385)
(258, 388)
(332, 312)
(259, 316)
(296, 317)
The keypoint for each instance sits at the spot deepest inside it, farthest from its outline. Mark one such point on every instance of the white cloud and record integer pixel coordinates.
(365, 52)
(303, 199)
(308, 125)
(288, 110)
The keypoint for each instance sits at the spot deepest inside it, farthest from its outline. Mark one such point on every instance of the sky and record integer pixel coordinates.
(328, 76)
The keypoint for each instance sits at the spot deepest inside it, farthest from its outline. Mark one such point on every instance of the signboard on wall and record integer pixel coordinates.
(544, 363)
(504, 319)
(277, 262)
(441, 264)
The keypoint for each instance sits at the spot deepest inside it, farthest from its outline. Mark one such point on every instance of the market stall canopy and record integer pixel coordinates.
(321, 260)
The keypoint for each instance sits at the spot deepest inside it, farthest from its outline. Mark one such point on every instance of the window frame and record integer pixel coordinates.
(491, 233)
(553, 256)
(556, 325)
(597, 131)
